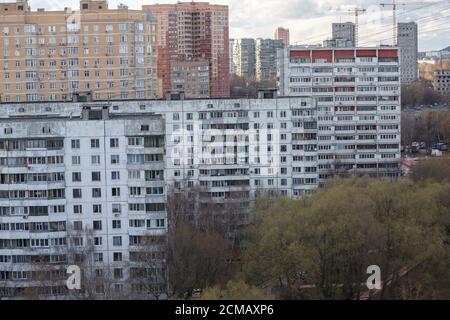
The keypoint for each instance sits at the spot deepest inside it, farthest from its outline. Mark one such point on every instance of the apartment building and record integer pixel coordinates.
(442, 81)
(407, 42)
(266, 58)
(283, 35)
(344, 31)
(191, 77)
(343, 36)
(244, 57)
(356, 93)
(50, 55)
(192, 30)
(78, 187)
(75, 171)
(231, 57)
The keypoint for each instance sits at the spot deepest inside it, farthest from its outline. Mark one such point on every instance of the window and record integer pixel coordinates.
(114, 142)
(75, 144)
(78, 225)
(76, 160)
(76, 193)
(160, 223)
(98, 256)
(115, 192)
(96, 192)
(76, 176)
(78, 208)
(115, 159)
(118, 274)
(116, 224)
(95, 143)
(97, 208)
(117, 241)
(98, 241)
(95, 159)
(116, 208)
(95, 176)
(117, 256)
(97, 225)
(115, 175)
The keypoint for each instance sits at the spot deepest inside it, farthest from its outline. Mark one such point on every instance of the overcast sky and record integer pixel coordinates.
(310, 21)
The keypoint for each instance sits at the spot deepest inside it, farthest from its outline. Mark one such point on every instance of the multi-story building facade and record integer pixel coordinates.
(97, 174)
(442, 81)
(50, 55)
(407, 42)
(231, 56)
(191, 77)
(76, 181)
(266, 58)
(244, 57)
(356, 93)
(282, 34)
(344, 33)
(192, 30)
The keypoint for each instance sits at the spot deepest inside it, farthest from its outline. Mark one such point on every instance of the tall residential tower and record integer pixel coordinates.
(282, 34)
(50, 55)
(192, 37)
(244, 57)
(407, 41)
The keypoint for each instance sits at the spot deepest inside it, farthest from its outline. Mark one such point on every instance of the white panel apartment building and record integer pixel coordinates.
(78, 182)
(357, 97)
(107, 166)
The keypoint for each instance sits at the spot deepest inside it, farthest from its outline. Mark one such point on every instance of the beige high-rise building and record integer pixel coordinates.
(52, 55)
(192, 31)
(282, 34)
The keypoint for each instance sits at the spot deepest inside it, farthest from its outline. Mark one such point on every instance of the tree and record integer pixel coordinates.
(419, 93)
(322, 246)
(197, 259)
(241, 87)
(430, 126)
(148, 271)
(234, 290)
(437, 169)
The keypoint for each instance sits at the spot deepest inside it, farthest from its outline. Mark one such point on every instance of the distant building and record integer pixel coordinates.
(231, 56)
(338, 43)
(356, 94)
(104, 52)
(346, 32)
(282, 34)
(266, 58)
(244, 57)
(188, 31)
(407, 43)
(442, 81)
(191, 77)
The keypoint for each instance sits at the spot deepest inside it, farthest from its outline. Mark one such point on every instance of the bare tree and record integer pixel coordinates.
(148, 272)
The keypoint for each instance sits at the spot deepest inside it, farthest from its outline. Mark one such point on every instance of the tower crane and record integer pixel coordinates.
(356, 12)
(395, 6)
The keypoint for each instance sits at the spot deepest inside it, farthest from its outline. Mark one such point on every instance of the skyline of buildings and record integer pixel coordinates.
(108, 111)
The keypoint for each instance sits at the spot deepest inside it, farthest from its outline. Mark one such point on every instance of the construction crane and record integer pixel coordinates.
(357, 11)
(394, 6)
